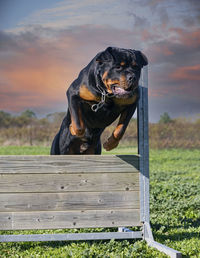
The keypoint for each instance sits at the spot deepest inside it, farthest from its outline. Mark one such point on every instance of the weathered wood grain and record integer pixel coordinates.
(68, 164)
(13, 183)
(68, 201)
(46, 192)
(69, 219)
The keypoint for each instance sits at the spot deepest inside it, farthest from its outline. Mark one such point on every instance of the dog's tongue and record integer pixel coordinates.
(119, 90)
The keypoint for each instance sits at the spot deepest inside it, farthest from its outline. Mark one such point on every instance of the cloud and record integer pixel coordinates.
(187, 72)
(175, 68)
(174, 71)
(190, 38)
(181, 47)
(191, 16)
(33, 72)
(70, 13)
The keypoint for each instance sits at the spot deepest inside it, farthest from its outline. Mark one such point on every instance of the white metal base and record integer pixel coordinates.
(71, 236)
(123, 233)
(148, 237)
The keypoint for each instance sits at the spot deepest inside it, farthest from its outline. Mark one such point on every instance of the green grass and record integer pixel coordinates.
(174, 204)
(24, 150)
(175, 199)
(41, 150)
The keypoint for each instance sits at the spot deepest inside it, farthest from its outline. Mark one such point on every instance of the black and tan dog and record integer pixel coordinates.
(104, 90)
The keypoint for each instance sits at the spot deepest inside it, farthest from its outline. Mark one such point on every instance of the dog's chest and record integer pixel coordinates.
(103, 117)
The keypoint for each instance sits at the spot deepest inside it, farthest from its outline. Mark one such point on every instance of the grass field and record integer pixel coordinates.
(174, 203)
(35, 150)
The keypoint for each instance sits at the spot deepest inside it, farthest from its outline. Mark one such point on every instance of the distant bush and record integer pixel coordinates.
(181, 133)
(5, 119)
(165, 118)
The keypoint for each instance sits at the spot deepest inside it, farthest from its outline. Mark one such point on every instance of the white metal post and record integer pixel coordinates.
(143, 151)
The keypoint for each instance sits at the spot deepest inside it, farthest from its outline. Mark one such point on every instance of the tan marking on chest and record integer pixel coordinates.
(86, 94)
(123, 102)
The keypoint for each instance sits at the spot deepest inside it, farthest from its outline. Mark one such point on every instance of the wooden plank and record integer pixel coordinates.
(68, 164)
(68, 201)
(69, 219)
(13, 183)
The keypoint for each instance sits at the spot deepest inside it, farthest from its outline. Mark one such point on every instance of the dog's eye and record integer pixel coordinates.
(100, 62)
(118, 67)
(134, 65)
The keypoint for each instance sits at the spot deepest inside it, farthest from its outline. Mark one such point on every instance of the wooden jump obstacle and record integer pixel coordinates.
(80, 191)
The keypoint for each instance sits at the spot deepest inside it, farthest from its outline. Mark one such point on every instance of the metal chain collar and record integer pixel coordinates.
(104, 94)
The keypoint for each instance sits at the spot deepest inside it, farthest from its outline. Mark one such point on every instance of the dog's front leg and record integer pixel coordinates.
(113, 141)
(77, 126)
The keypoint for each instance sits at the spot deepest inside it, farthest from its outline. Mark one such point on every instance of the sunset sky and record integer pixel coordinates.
(45, 43)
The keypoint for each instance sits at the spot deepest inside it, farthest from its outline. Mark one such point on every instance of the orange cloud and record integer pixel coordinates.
(146, 35)
(187, 73)
(36, 75)
(36, 86)
(160, 52)
(158, 92)
(187, 38)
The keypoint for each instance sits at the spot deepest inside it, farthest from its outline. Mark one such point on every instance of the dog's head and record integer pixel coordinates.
(119, 70)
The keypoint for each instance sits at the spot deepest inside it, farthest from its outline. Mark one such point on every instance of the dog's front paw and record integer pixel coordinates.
(111, 143)
(77, 132)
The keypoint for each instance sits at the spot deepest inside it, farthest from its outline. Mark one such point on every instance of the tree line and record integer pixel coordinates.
(27, 129)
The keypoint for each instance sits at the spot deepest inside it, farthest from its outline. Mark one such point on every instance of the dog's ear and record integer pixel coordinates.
(105, 56)
(141, 58)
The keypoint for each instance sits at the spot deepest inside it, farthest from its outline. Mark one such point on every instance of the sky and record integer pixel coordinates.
(45, 44)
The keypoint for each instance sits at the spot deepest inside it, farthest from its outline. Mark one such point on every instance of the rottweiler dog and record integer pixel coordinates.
(107, 88)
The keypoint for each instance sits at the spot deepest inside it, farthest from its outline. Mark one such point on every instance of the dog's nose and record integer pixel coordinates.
(130, 78)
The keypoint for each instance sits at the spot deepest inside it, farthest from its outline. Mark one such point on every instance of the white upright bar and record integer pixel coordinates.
(143, 151)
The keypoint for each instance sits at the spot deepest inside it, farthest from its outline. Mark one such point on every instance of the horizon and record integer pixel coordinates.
(39, 116)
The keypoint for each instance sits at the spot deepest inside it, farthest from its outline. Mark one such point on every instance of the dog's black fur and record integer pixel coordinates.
(104, 90)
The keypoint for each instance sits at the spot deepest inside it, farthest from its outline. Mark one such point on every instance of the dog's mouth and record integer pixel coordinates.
(122, 92)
